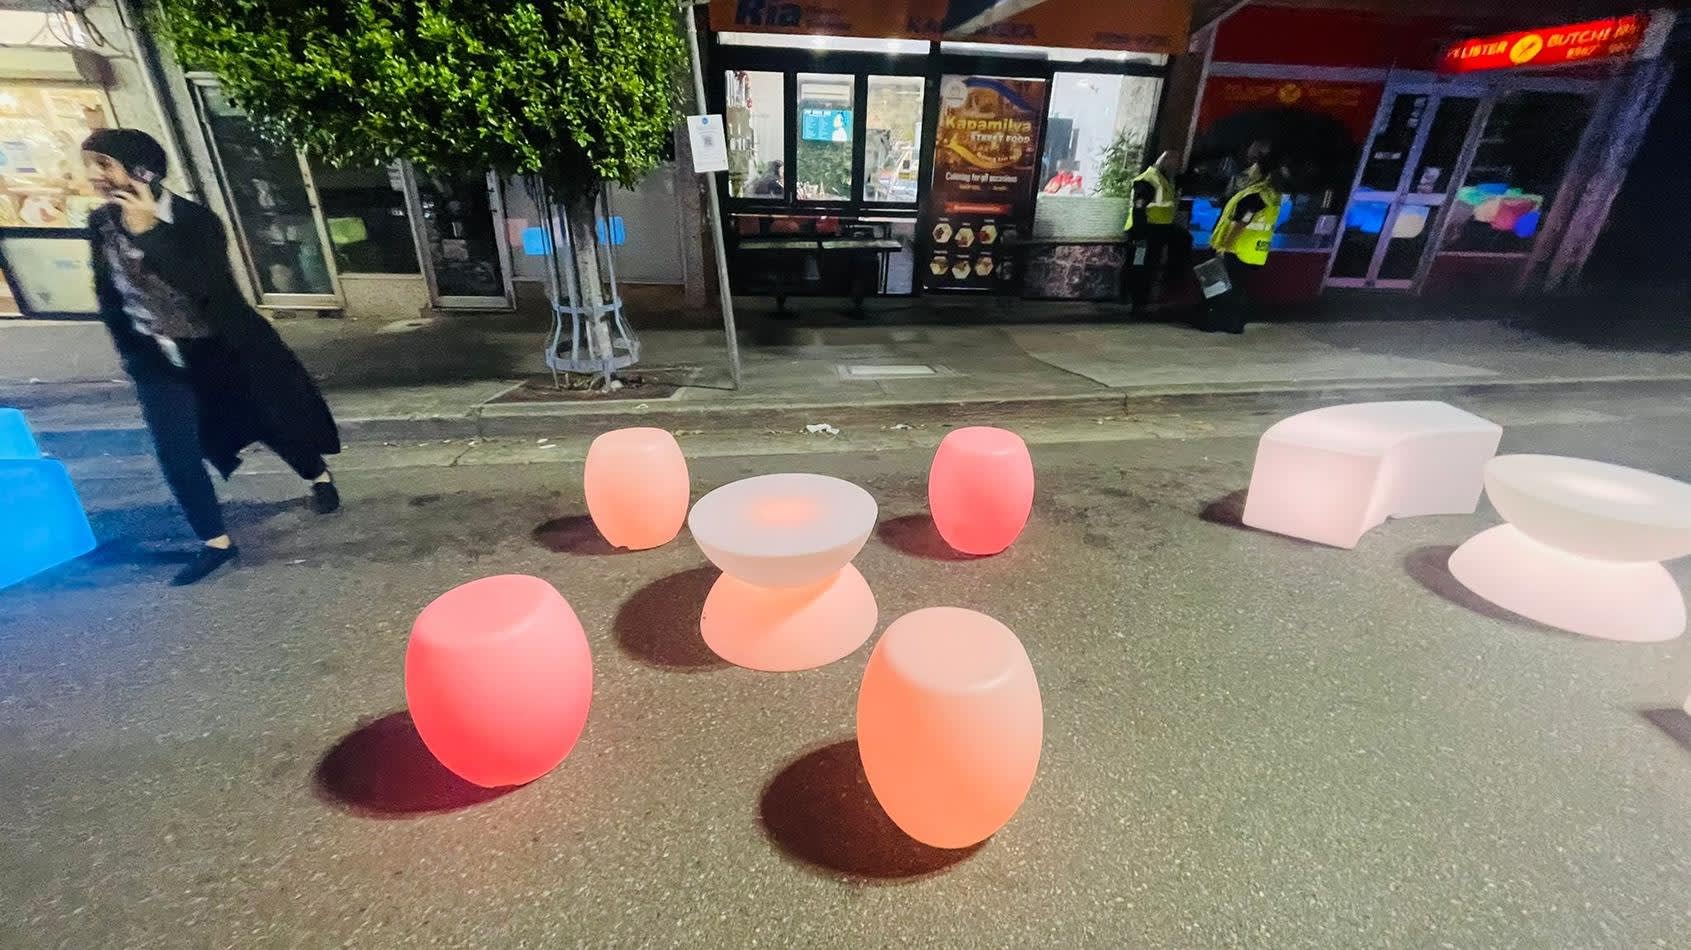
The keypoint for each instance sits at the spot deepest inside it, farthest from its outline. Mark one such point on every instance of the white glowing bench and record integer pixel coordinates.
(1330, 475)
(1583, 548)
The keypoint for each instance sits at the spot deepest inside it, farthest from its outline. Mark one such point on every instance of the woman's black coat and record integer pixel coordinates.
(249, 386)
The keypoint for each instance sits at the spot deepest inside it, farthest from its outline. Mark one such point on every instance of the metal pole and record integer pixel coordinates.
(724, 292)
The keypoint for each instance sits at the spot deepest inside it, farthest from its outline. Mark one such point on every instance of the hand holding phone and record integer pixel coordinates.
(139, 204)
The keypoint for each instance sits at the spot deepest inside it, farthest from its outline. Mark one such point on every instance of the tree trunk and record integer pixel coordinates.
(581, 217)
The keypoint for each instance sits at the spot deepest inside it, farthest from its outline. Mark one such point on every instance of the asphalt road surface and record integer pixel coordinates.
(1249, 741)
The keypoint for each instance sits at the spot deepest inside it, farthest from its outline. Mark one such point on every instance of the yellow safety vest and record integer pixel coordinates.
(1163, 199)
(1250, 244)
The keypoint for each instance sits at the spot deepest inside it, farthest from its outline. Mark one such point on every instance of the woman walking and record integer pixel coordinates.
(212, 376)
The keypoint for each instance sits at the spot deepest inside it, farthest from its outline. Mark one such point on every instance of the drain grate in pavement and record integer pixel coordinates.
(540, 389)
(886, 370)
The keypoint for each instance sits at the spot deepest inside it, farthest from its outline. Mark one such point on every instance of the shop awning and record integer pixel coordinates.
(1144, 26)
(1206, 12)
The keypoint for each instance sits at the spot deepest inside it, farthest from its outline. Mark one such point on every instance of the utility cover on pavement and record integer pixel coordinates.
(885, 370)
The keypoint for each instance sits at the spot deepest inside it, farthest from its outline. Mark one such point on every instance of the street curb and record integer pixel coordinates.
(573, 419)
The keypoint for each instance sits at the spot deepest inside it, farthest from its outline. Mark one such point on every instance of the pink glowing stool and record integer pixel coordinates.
(1331, 475)
(949, 724)
(980, 489)
(499, 677)
(788, 598)
(1583, 547)
(637, 487)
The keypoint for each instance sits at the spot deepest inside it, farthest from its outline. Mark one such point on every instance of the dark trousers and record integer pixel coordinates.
(1147, 252)
(1230, 312)
(172, 414)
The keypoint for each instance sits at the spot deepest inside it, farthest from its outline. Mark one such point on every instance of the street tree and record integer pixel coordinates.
(572, 94)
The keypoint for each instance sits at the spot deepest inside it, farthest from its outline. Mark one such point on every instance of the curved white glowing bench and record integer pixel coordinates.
(1583, 548)
(1330, 475)
(788, 597)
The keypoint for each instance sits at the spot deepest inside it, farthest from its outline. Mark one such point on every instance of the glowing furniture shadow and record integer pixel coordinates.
(788, 598)
(949, 724)
(1583, 547)
(1332, 474)
(637, 487)
(499, 678)
(980, 489)
(42, 522)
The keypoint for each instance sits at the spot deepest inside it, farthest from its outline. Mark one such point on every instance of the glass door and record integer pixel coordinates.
(1406, 177)
(277, 220)
(459, 223)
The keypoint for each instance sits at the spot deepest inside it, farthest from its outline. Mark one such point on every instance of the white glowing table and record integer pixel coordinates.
(1583, 548)
(788, 598)
(1332, 474)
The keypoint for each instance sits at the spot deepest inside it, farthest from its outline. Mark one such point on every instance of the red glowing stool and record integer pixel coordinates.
(949, 724)
(788, 598)
(980, 489)
(498, 676)
(637, 487)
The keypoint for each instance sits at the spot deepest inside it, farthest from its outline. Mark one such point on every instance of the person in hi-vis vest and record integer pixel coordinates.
(1150, 228)
(1241, 239)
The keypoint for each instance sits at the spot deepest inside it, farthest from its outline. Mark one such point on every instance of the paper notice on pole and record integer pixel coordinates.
(710, 144)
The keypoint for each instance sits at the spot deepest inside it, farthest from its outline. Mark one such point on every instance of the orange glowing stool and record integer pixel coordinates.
(498, 676)
(637, 487)
(949, 724)
(980, 489)
(788, 598)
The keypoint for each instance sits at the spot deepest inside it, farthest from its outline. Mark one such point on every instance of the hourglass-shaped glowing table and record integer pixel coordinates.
(788, 598)
(1583, 548)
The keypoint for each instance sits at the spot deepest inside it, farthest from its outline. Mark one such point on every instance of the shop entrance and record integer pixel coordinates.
(1403, 181)
(1457, 178)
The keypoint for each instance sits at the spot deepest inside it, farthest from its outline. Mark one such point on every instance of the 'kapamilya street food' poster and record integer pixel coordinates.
(985, 163)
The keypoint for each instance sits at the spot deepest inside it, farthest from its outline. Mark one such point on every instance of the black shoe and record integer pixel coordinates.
(325, 498)
(209, 559)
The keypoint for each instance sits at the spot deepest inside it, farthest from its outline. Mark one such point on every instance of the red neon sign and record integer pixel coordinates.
(1611, 38)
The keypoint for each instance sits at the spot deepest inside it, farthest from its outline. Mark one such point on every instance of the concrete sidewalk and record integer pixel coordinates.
(441, 378)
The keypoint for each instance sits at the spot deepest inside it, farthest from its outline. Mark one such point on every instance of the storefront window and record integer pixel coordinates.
(458, 214)
(270, 201)
(41, 133)
(892, 147)
(364, 212)
(825, 110)
(41, 179)
(1517, 168)
(1095, 136)
(756, 121)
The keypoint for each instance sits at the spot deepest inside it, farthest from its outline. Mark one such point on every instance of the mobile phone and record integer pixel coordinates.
(148, 178)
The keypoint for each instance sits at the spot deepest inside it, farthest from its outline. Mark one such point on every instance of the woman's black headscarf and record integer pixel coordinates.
(131, 147)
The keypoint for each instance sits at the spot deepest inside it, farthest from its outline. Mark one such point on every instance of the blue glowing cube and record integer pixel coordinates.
(42, 524)
(16, 442)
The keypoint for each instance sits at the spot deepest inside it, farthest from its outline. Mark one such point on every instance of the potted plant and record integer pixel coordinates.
(1102, 213)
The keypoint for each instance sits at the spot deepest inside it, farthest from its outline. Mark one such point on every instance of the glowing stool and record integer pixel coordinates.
(788, 598)
(1332, 474)
(498, 676)
(949, 724)
(980, 489)
(16, 441)
(637, 487)
(42, 522)
(1583, 548)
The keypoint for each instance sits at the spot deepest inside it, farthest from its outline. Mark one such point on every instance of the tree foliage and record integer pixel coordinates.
(580, 92)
